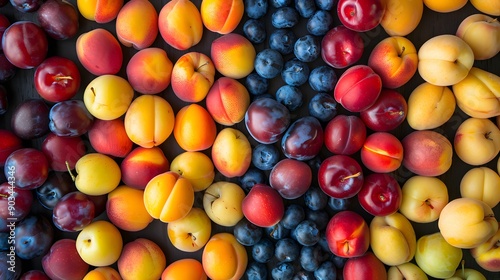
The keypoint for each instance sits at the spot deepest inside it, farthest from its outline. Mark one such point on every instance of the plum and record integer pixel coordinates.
(3, 100)
(21, 209)
(56, 186)
(34, 235)
(26, 168)
(59, 19)
(30, 119)
(10, 266)
(70, 118)
(303, 140)
(266, 120)
(73, 212)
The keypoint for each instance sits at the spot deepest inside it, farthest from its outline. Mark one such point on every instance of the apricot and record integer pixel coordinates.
(184, 269)
(221, 16)
(141, 259)
(125, 209)
(227, 101)
(141, 165)
(192, 76)
(180, 24)
(110, 138)
(401, 17)
(224, 257)
(149, 70)
(137, 24)
(197, 167)
(100, 11)
(194, 128)
(99, 52)
(445, 6)
(231, 152)
(233, 55)
(103, 273)
(149, 121)
(168, 197)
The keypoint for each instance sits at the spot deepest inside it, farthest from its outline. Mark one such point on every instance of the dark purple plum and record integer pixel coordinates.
(30, 119)
(255, 31)
(23, 201)
(290, 96)
(4, 104)
(319, 23)
(295, 72)
(285, 17)
(268, 63)
(99, 203)
(303, 140)
(10, 266)
(34, 236)
(7, 69)
(266, 120)
(4, 24)
(27, 168)
(26, 6)
(70, 118)
(282, 40)
(59, 19)
(307, 48)
(56, 186)
(256, 8)
(25, 44)
(73, 212)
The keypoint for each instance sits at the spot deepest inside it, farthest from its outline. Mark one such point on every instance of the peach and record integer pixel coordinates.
(108, 97)
(168, 197)
(487, 254)
(125, 209)
(197, 167)
(490, 7)
(227, 101)
(481, 183)
(231, 152)
(103, 273)
(192, 232)
(141, 259)
(401, 17)
(221, 16)
(180, 24)
(141, 165)
(427, 153)
(482, 33)
(233, 55)
(194, 128)
(149, 121)
(430, 106)
(149, 70)
(185, 269)
(99, 52)
(445, 6)
(224, 257)
(137, 24)
(477, 141)
(110, 138)
(100, 11)
(477, 94)
(192, 76)
(382, 152)
(423, 198)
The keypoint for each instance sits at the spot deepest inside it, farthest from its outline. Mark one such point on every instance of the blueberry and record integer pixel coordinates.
(315, 163)
(306, 233)
(256, 84)
(247, 233)
(326, 5)
(339, 204)
(319, 217)
(294, 214)
(4, 241)
(251, 177)
(307, 48)
(319, 23)
(280, 3)
(285, 17)
(268, 63)
(283, 271)
(255, 31)
(323, 78)
(295, 72)
(265, 156)
(315, 198)
(256, 8)
(277, 232)
(263, 251)
(311, 257)
(303, 275)
(290, 96)
(306, 8)
(282, 40)
(287, 250)
(323, 243)
(323, 106)
(326, 271)
(256, 271)
(338, 261)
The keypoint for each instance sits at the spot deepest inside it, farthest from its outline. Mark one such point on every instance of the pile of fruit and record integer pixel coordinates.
(249, 139)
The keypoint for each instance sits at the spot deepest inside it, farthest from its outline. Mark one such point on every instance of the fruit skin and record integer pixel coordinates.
(263, 206)
(222, 202)
(63, 262)
(110, 138)
(191, 233)
(231, 152)
(103, 273)
(233, 55)
(187, 268)
(380, 195)
(482, 33)
(387, 113)
(137, 24)
(477, 226)
(141, 165)
(347, 234)
(345, 134)
(407, 270)
(340, 176)
(99, 11)
(488, 7)
(266, 120)
(10, 143)
(358, 88)
(149, 70)
(224, 258)
(149, 120)
(194, 128)
(197, 167)
(437, 149)
(57, 79)
(141, 259)
(100, 243)
(25, 44)
(483, 135)
(382, 152)
(26, 168)
(98, 174)
(487, 254)
(125, 209)
(227, 101)
(401, 17)
(361, 15)
(367, 265)
(180, 24)
(444, 60)
(444, 6)
(341, 47)
(221, 16)
(467, 273)
(168, 197)
(395, 60)
(436, 257)
(66, 26)
(481, 183)
(192, 76)
(291, 178)
(99, 52)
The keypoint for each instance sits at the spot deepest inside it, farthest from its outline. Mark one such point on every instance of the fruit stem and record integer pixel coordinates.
(429, 204)
(69, 171)
(3, 195)
(351, 176)
(402, 51)
(463, 269)
(59, 78)
(201, 66)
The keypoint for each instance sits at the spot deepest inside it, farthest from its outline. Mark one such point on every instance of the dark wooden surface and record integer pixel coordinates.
(21, 88)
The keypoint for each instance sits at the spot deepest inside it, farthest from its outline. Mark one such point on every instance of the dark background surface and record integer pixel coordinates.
(21, 88)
